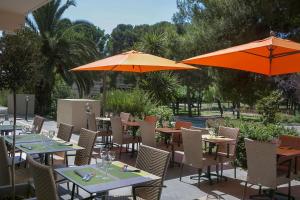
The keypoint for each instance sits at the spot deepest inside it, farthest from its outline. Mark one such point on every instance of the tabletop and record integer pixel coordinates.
(168, 130)
(25, 138)
(51, 146)
(116, 178)
(288, 151)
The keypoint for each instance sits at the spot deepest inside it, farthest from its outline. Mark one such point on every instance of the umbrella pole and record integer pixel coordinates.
(104, 92)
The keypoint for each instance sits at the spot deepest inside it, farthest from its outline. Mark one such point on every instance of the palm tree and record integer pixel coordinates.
(65, 45)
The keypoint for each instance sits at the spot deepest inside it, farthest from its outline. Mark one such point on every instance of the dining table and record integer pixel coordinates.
(133, 126)
(289, 152)
(42, 145)
(5, 129)
(101, 182)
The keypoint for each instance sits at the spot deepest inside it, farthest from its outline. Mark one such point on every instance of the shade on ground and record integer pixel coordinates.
(270, 56)
(133, 61)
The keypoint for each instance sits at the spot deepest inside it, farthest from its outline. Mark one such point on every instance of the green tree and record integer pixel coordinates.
(65, 44)
(19, 61)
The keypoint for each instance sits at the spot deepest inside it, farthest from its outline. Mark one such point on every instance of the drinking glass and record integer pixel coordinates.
(106, 114)
(112, 155)
(51, 134)
(11, 121)
(2, 120)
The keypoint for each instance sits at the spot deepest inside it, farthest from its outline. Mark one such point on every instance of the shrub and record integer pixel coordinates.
(136, 102)
(163, 113)
(268, 107)
(256, 131)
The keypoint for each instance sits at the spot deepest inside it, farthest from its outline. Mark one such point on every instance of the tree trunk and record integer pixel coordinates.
(174, 108)
(233, 108)
(13, 146)
(177, 107)
(188, 92)
(220, 107)
(238, 106)
(43, 95)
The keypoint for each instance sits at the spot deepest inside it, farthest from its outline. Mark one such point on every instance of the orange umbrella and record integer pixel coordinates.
(270, 56)
(133, 61)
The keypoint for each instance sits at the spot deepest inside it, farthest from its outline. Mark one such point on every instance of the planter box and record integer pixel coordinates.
(72, 111)
(21, 104)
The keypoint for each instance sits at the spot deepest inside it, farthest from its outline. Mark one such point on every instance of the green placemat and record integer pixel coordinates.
(116, 171)
(26, 138)
(97, 179)
(42, 148)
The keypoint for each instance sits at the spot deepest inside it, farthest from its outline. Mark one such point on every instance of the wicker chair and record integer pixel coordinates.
(193, 153)
(92, 125)
(215, 123)
(65, 132)
(263, 168)
(119, 138)
(22, 175)
(176, 137)
(44, 182)
(230, 156)
(38, 122)
(154, 161)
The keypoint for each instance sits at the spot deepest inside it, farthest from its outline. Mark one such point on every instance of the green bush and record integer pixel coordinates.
(137, 102)
(256, 131)
(268, 107)
(163, 113)
(3, 97)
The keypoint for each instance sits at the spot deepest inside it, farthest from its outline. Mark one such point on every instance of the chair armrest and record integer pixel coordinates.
(289, 162)
(145, 186)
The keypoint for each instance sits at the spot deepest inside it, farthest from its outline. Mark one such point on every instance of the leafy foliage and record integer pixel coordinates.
(163, 113)
(137, 102)
(268, 106)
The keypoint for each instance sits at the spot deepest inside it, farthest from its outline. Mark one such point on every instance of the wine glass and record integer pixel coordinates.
(2, 120)
(51, 134)
(112, 155)
(106, 114)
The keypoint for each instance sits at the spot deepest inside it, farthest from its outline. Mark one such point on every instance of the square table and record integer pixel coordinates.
(286, 151)
(116, 177)
(25, 138)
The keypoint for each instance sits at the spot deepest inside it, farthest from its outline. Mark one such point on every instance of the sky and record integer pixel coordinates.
(107, 14)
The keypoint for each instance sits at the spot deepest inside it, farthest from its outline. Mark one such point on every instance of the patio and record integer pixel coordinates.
(186, 189)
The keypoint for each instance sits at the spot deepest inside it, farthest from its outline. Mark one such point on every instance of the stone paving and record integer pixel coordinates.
(187, 189)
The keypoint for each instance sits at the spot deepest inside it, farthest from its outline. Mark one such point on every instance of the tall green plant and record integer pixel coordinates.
(137, 102)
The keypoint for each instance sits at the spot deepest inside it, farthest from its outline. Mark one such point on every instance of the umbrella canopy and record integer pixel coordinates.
(13, 12)
(270, 56)
(133, 61)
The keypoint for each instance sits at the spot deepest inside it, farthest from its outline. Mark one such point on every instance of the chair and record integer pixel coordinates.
(151, 119)
(92, 125)
(38, 122)
(154, 161)
(22, 176)
(65, 132)
(215, 123)
(176, 137)
(124, 116)
(119, 138)
(193, 153)
(263, 168)
(230, 156)
(44, 182)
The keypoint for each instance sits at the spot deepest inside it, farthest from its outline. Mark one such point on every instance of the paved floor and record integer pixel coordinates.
(187, 189)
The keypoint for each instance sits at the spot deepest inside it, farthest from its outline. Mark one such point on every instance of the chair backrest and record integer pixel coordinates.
(38, 122)
(91, 121)
(192, 147)
(117, 129)
(124, 116)
(183, 124)
(148, 133)
(151, 119)
(232, 133)
(261, 163)
(4, 166)
(65, 131)
(215, 123)
(44, 182)
(86, 140)
(154, 161)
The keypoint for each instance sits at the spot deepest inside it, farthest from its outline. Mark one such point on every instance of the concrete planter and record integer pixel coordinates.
(72, 111)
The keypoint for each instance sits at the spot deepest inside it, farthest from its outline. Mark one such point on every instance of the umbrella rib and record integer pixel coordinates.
(255, 54)
(286, 54)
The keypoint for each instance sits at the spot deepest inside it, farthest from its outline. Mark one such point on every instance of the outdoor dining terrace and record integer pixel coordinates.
(46, 145)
